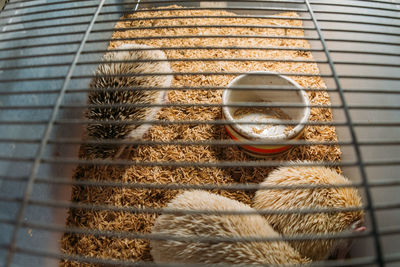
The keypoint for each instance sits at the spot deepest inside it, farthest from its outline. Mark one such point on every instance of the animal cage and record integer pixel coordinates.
(62, 205)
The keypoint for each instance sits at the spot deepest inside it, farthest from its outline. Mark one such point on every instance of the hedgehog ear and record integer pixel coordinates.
(165, 97)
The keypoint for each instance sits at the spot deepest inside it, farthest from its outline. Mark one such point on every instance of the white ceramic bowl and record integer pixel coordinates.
(242, 132)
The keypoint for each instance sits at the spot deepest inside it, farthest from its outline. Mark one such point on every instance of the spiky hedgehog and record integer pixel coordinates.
(312, 223)
(126, 78)
(217, 225)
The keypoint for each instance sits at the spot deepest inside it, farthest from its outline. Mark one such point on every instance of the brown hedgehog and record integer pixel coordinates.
(127, 80)
(316, 223)
(206, 225)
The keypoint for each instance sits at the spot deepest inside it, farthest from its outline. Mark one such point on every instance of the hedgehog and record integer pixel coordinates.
(312, 223)
(217, 225)
(127, 95)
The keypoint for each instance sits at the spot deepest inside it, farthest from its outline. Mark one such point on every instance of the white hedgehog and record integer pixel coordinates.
(312, 223)
(206, 225)
(127, 70)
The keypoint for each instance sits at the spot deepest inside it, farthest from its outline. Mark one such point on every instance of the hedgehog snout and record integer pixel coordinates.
(358, 226)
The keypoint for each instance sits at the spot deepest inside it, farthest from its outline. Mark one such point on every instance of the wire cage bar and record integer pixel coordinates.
(49, 52)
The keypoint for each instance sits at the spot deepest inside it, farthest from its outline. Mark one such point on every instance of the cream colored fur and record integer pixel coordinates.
(317, 223)
(217, 226)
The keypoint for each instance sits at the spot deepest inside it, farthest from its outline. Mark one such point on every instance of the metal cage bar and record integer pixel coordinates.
(45, 138)
(354, 138)
(49, 31)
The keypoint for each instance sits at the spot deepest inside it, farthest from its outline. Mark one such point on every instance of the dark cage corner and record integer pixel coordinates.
(195, 133)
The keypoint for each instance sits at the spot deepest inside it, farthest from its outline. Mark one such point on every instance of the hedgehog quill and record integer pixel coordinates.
(121, 70)
(312, 223)
(217, 225)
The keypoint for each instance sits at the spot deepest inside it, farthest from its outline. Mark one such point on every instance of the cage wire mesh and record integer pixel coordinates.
(65, 202)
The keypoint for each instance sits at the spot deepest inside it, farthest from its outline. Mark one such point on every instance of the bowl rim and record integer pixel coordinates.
(237, 127)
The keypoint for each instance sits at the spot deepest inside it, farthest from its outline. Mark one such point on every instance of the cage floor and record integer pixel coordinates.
(138, 249)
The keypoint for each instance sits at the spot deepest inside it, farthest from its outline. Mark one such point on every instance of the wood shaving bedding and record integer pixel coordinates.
(136, 249)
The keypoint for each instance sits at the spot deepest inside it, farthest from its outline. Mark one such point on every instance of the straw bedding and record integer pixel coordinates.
(136, 249)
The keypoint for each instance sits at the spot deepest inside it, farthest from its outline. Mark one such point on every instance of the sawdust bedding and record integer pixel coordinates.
(137, 249)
